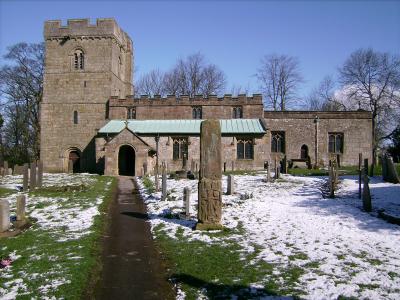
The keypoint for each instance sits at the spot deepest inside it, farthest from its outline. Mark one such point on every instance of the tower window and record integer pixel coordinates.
(245, 149)
(79, 60)
(131, 113)
(278, 141)
(197, 112)
(75, 117)
(237, 112)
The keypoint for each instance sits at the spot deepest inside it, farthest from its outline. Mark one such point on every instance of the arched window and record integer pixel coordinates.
(304, 152)
(180, 148)
(335, 142)
(75, 117)
(79, 60)
(278, 141)
(245, 149)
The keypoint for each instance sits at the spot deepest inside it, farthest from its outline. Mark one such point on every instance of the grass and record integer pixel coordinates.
(4, 192)
(219, 270)
(43, 258)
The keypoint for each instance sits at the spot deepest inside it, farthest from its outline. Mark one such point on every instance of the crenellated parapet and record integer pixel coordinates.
(185, 100)
(82, 29)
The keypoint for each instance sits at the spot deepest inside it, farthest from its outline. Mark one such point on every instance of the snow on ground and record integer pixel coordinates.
(343, 250)
(61, 218)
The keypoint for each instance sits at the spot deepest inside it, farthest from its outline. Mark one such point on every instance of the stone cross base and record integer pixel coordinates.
(210, 210)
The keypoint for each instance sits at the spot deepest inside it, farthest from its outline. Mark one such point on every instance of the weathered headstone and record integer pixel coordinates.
(164, 183)
(32, 177)
(366, 196)
(21, 205)
(209, 189)
(10, 171)
(4, 215)
(233, 165)
(5, 166)
(25, 177)
(331, 179)
(268, 166)
(40, 174)
(284, 165)
(392, 175)
(186, 201)
(145, 168)
(70, 166)
(359, 174)
(230, 185)
(1, 171)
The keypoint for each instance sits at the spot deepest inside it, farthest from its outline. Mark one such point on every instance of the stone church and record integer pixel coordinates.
(90, 119)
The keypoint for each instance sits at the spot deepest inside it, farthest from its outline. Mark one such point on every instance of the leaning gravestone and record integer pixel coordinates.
(392, 175)
(209, 189)
(230, 185)
(384, 168)
(40, 174)
(10, 171)
(25, 173)
(32, 182)
(4, 215)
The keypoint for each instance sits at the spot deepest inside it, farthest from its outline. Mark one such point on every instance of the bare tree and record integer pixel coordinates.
(21, 91)
(151, 83)
(279, 77)
(324, 97)
(190, 76)
(373, 80)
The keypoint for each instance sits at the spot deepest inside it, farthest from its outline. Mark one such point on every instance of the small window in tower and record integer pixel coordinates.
(79, 60)
(75, 117)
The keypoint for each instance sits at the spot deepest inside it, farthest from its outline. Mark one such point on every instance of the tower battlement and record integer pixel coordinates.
(106, 27)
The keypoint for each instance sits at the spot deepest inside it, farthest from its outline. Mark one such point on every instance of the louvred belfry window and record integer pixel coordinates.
(79, 60)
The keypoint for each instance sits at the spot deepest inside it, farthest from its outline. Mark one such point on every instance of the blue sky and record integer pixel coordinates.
(231, 34)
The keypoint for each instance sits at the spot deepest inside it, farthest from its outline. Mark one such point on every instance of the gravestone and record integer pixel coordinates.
(391, 173)
(10, 171)
(70, 166)
(1, 171)
(32, 177)
(331, 179)
(25, 173)
(233, 165)
(145, 168)
(284, 165)
(21, 205)
(17, 170)
(268, 166)
(230, 185)
(359, 174)
(40, 174)
(366, 196)
(164, 183)
(5, 166)
(4, 215)
(186, 201)
(209, 188)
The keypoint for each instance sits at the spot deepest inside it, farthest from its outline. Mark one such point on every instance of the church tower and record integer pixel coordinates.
(85, 65)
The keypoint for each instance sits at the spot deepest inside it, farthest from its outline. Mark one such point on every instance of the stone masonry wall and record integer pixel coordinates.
(86, 91)
(299, 128)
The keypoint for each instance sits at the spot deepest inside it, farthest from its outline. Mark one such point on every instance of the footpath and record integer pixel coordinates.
(132, 268)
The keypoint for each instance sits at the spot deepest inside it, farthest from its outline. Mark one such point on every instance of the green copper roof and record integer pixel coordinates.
(186, 127)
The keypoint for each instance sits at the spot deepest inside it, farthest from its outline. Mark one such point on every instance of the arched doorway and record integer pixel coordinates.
(126, 161)
(75, 157)
(304, 152)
